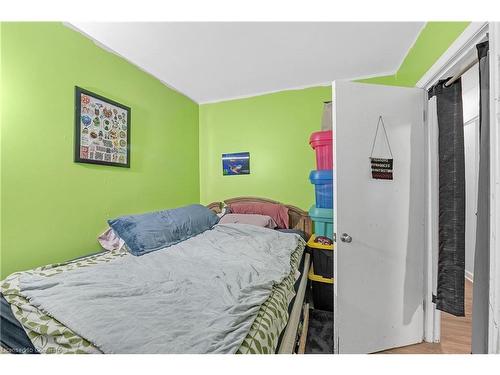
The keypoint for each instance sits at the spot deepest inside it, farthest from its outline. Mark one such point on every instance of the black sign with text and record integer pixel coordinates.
(381, 168)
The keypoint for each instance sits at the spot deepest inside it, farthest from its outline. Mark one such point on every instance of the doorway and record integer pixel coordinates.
(456, 332)
(454, 62)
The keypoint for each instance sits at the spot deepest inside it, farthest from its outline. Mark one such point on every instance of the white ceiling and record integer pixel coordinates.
(214, 61)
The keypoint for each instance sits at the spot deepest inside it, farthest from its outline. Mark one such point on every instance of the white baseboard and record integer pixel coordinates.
(469, 276)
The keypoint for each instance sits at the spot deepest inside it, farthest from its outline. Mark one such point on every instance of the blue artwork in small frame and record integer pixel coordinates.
(236, 163)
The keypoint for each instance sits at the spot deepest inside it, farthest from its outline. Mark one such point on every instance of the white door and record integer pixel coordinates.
(379, 284)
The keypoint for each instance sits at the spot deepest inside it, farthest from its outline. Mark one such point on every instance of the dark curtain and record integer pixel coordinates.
(482, 253)
(451, 260)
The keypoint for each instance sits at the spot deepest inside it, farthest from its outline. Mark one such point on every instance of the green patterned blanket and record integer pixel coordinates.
(50, 336)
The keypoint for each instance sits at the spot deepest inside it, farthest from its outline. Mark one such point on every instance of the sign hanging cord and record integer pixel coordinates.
(381, 120)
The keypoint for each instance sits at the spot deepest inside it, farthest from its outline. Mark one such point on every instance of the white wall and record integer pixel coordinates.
(470, 99)
(470, 93)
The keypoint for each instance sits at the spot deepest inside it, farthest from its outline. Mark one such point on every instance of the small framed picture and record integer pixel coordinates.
(236, 163)
(102, 130)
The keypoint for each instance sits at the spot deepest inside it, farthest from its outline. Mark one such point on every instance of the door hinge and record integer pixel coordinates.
(335, 237)
(434, 298)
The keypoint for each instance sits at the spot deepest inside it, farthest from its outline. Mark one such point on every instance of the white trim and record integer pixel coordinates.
(300, 87)
(457, 51)
(469, 276)
(494, 313)
(432, 317)
(261, 93)
(336, 331)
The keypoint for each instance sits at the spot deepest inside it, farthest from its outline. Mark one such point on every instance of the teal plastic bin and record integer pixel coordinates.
(323, 221)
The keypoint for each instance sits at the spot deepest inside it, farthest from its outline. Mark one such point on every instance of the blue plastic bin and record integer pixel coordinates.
(323, 184)
(323, 221)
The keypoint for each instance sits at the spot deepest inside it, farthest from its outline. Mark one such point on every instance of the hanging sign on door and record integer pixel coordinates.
(382, 168)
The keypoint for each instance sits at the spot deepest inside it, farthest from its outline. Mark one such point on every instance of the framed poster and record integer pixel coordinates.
(102, 130)
(235, 164)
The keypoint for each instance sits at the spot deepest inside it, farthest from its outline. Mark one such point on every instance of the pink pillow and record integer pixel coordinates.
(109, 240)
(253, 219)
(277, 211)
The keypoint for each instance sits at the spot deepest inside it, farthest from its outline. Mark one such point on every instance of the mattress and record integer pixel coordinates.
(21, 323)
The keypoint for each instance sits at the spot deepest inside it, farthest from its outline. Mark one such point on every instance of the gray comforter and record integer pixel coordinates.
(199, 296)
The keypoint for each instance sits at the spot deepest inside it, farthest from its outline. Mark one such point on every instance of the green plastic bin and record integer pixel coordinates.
(323, 221)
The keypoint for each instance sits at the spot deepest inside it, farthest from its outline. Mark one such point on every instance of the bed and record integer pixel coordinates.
(292, 339)
(27, 328)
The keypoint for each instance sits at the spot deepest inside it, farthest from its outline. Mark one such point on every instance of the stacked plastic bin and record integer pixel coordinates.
(321, 213)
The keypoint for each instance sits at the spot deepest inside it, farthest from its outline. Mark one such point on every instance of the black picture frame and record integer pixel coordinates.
(79, 149)
(236, 164)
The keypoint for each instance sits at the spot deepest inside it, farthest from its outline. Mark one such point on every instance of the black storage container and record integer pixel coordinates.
(322, 291)
(322, 295)
(323, 262)
(322, 258)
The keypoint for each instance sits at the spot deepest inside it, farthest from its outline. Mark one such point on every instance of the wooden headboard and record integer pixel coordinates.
(297, 218)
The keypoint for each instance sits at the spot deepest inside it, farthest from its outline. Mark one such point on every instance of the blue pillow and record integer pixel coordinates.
(157, 230)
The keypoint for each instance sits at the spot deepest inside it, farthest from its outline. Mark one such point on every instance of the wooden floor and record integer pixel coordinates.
(456, 333)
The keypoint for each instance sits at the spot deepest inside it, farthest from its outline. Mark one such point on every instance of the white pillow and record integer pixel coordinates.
(253, 219)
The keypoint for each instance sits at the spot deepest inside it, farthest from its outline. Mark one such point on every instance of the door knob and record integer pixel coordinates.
(346, 238)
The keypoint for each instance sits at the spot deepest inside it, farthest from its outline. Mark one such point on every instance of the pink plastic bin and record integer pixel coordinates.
(321, 142)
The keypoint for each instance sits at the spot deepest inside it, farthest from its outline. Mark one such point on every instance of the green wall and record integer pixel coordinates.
(432, 42)
(275, 129)
(52, 208)
(56, 208)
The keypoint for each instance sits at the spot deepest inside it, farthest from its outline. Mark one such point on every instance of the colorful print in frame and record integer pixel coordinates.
(102, 130)
(236, 163)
